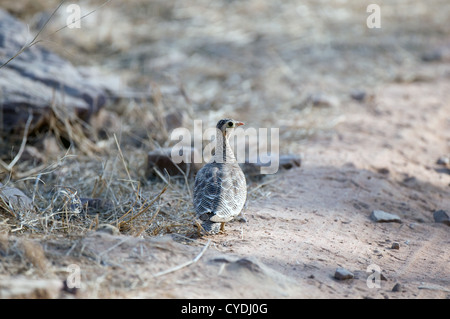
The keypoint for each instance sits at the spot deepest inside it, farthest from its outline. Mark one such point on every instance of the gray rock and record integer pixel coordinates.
(285, 162)
(323, 100)
(443, 160)
(380, 216)
(162, 160)
(36, 79)
(397, 287)
(343, 274)
(109, 229)
(15, 198)
(358, 95)
(441, 216)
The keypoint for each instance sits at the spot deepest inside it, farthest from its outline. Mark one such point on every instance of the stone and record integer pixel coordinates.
(289, 161)
(395, 245)
(343, 274)
(397, 287)
(162, 160)
(441, 216)
(358, 95)
(109, 229)
(443, 160)
(35, 80)
(285, 162)
(323, 100)
(380, 216)
(15, 198)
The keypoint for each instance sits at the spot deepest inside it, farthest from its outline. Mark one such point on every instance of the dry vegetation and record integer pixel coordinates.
(271, 63)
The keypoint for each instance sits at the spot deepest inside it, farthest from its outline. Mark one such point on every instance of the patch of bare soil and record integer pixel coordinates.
(381, 157)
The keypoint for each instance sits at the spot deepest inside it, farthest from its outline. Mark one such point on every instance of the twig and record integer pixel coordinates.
(22, 146)
(123, 162)
(434, 287)
(149, 222)
(36, 41)
(112, 247)
(188, 263)
(120, 223)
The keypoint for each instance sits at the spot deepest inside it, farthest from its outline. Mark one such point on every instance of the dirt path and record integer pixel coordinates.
(381, 157)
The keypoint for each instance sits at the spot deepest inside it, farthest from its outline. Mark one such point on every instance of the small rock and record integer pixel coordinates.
(162, 159)
(431, 56)
(380, 216)
(358, 95)
(290, 161)
(255, 170)
(323, 100)
(443, 160)
(174, 120)
(109, 229)
(395, 245)
(397, 287)
(343, 274)
(383, 170)
(441, 216)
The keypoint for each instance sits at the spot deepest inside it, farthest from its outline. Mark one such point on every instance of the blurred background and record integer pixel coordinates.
(286, 64)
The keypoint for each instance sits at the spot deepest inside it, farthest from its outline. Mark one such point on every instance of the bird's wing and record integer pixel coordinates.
(218, 192)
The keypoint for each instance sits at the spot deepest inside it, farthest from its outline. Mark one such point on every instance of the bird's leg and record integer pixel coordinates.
(222, 226)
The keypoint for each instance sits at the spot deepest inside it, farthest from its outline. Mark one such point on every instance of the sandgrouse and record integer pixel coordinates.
(220, 188)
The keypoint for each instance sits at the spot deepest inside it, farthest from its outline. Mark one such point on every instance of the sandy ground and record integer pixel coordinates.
(380, 157)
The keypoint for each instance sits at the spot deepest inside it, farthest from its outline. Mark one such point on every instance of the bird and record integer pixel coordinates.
(220, 188)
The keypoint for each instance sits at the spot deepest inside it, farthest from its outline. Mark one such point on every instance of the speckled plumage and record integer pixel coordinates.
(220, 189)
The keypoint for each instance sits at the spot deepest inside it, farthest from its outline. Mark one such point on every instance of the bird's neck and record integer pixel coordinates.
(223, 151)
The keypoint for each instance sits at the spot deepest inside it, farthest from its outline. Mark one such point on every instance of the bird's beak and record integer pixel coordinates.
(239, 123)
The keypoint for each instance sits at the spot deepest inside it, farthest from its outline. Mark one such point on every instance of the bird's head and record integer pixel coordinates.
(227, 125)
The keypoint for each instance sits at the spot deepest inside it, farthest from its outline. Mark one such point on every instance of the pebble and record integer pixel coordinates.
(380, 216)
(395, 245)
(109, 229)
(443, 160)
(441, 216)
(397, 287)
(343, 274)
(358, 95)
(323, 100)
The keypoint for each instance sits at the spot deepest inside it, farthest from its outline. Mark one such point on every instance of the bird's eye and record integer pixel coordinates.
(230, 124)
